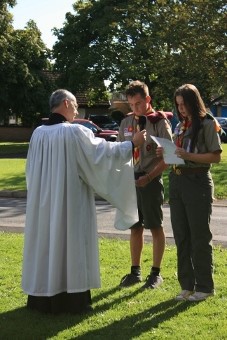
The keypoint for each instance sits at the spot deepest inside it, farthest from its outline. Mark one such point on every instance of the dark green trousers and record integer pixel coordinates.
(190, 198)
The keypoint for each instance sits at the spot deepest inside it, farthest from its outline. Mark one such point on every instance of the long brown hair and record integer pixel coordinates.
(195, 106)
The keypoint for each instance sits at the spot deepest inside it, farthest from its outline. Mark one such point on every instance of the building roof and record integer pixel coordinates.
(82, 100)
(81, 97)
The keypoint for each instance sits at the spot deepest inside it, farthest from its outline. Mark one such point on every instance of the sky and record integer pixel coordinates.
(46, 13)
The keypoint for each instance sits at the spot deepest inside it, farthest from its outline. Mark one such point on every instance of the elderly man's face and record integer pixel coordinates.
(72, 109)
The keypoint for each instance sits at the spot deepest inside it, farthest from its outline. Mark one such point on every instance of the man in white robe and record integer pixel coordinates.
(65, 165)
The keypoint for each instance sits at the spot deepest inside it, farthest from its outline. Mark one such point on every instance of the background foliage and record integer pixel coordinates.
(165, 43)
(24, 89)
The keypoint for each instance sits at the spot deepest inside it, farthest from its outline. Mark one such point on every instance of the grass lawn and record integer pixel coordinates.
(12, 170)
(129, 313)
(13, 149)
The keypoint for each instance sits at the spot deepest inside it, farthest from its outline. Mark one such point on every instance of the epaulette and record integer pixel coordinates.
(217, 125)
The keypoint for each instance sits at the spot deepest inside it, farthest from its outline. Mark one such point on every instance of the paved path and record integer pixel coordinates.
(12, 219)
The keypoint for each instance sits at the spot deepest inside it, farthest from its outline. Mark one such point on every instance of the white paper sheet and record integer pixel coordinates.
(169, 148)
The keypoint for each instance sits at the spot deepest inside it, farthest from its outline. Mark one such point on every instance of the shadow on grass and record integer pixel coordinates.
(23, 323)
(13, 150)
(17, 181)
(104, 295)
(133, 326)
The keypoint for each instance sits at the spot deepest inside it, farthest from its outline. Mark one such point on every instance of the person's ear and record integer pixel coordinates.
(148, 99)
(66, 103)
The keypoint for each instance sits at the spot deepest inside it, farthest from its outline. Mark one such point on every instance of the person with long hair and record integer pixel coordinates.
(191, 193)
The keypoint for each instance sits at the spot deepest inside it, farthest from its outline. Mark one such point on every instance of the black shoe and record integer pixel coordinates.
(129, 280)
(153, 281)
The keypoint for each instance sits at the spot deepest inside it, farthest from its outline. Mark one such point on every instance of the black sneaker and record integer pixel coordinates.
(153, 281)
(130, 280)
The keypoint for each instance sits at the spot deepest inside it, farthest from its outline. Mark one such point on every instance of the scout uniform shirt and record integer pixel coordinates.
(208, 141)
(148, 158)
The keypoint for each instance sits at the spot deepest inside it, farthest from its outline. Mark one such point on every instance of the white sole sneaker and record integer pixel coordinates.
(184, 295)
(199, 296)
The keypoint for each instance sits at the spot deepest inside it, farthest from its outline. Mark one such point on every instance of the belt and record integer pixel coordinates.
(189, 171)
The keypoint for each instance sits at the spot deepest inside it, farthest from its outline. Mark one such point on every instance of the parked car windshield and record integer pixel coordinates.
(88, 125)
(222, 121)
(104, 122)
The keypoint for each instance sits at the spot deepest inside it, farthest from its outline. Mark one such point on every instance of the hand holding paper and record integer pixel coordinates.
(169, 148)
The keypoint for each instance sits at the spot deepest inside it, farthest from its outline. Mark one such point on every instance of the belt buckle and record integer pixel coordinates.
(177, 171)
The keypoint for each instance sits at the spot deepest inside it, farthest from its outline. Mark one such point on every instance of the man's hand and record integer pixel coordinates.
(139, 138)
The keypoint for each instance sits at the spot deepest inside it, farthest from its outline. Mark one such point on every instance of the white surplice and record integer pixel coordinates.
(65, 165)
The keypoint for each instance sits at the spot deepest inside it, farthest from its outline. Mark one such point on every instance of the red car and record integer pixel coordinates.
(109, 135)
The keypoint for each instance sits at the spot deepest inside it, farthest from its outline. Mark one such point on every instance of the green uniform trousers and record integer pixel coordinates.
(190, 198)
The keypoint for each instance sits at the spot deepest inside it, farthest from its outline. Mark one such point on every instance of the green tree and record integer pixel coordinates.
(24, 87)
(6, 30)
(29, 88)
(164, 43)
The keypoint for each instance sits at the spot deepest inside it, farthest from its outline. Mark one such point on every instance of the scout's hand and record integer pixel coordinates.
(142, 181)
(139, 138)
(181, 153)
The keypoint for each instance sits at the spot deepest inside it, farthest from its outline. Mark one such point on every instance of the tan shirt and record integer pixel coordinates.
(148, 158)
(208, 140)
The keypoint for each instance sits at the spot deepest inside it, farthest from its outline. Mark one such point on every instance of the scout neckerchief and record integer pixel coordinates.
(184, 127)
(136, 153)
